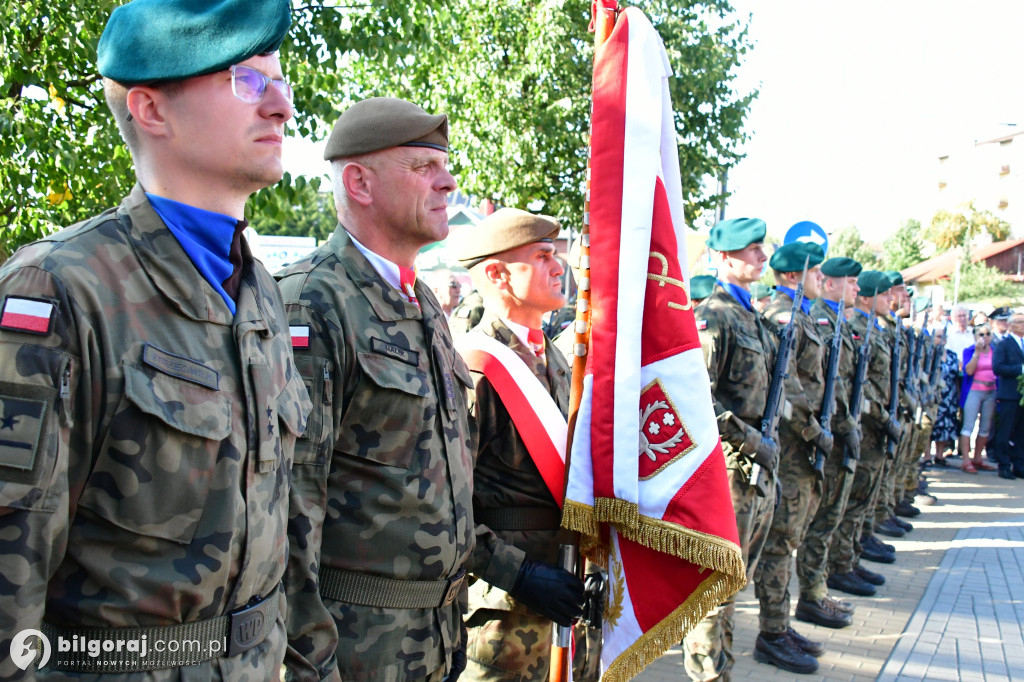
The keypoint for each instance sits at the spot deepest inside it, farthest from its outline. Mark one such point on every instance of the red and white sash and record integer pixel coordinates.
(534, 412)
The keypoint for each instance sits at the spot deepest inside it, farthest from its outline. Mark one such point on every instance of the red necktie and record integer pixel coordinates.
(536, 339)
(408, 280)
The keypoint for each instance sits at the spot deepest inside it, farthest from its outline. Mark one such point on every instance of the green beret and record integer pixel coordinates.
(872, 283)
(791, 257)
(382, 123)
(736, 234)
(505, 229)
(701, 286)
(146, 41)
(841, 267)
(921, 304)
(759, 291)
(894, 277)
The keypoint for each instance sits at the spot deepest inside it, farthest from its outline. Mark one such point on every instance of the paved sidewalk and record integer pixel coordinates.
(951, 609)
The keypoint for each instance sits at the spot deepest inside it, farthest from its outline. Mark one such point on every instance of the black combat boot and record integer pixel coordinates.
(850, 583)
(779, 650)
(822, 612)
(815, 649)
(889, 529)
(869, 576)
(906, 509)
(905, 525)
(840, 604)
(877, 544)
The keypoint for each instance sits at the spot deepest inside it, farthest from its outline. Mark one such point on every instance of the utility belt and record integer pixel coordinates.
(139, 649)
(519, 518)
(364, 589)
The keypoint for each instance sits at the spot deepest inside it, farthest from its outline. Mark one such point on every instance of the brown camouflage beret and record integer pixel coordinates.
(382, 123)
(505, 229)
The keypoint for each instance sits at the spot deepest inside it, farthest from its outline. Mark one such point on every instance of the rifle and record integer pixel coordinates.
(894, 386)
(771, 407)
(857, 392)
(828, 404)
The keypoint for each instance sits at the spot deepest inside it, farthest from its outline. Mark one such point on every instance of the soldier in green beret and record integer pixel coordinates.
(800, 437)
(739, 351)
(844, 554)
(519, 590)
(761, 295)
(149, 398)
(838, 287)
(701, 287)
(384, 474)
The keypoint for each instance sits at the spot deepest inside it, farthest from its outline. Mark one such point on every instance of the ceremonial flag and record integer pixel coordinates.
(647, 487)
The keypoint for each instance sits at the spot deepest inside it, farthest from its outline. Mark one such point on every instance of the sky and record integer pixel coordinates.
(858, 100)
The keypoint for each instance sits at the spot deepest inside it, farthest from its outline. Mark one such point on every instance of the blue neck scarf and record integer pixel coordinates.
(739, 293)
(834, 305)
(205, 236)
(805, 304)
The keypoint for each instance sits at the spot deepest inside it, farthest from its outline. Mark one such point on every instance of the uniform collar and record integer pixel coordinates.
(741, 295)
(387, 302)
(805, 304)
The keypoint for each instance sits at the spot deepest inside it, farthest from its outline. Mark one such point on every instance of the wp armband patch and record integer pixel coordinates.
(32, 315)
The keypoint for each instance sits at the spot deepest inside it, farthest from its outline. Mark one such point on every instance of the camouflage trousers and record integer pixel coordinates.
(707, 648)
(812, 556)
(884, 506)
(513, 646)
(801, 494)
(844, 551)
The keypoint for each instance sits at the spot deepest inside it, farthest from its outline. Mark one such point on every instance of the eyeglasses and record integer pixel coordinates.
(248, 84)
(984, 334)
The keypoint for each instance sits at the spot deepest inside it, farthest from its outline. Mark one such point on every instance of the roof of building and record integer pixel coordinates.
(944, 264)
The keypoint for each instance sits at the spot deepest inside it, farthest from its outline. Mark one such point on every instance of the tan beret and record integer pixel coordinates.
(505, 229)
(382, 123)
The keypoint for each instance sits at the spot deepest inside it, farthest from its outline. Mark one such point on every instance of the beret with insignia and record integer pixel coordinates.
(380, 123)
(147, 41)
(895, 277)
(701, 286)
(872, 283)
(736, 234)
(505, 229)
(841, 267)
(759, 291)
(791, 257)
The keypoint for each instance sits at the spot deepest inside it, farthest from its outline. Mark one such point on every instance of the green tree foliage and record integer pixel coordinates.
(903, 248)
(514, 78)
(950, 229)
(299, 209)
(979, 282)
(848, 243)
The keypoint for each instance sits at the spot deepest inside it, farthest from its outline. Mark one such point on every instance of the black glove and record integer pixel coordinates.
(767, 454)
(825, 441)
(549, 590)
(893, 430)
(459, 659)
(595, 587)
(852, 443)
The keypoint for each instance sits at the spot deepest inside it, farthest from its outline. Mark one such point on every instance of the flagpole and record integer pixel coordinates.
(603, 14)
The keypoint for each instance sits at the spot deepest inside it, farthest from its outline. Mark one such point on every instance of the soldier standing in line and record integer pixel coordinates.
(739, 351)
(148, 395)
(384, 473)
(907, 485)
(876, 425)
(467, 313)
(517, 589)
(800, 436)
(885, 520)
(839, 285)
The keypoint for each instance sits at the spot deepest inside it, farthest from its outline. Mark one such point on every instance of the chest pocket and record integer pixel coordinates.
(747, 361)
(811, 360)
(387, 415)
(163, 442)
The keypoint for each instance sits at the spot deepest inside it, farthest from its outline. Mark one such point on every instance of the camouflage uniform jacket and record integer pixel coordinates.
(384, 473)
(506, 477)
(908, 379)
(805, 376)
(876, 387)
(842, 423)
(739, 351)
(158, 494)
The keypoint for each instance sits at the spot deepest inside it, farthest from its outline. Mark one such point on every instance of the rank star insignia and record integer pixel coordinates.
(8, 422)
(270, 421)
(664, 437)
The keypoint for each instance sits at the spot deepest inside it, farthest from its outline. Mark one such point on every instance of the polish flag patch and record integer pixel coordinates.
(300, 335)
(822, 320)
(27, 315)
(702, 325)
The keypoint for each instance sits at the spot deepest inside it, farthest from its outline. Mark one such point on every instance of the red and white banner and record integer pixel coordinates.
(647, 481)
(537, 417)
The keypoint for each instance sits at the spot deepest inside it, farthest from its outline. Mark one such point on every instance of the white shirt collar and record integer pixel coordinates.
(522, 332)
(384, 267)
